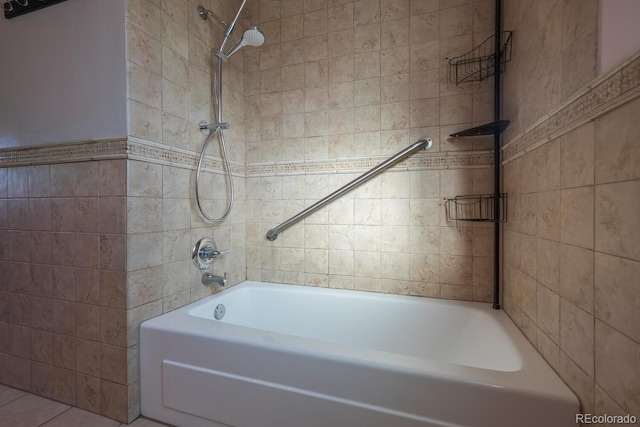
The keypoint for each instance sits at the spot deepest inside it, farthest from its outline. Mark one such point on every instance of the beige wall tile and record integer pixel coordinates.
(64, 385)
(617, 219)
(617, 369)
(39, 181)
(616, 145)
(548, 313)
(616, 298)
(577, 336)
(577, 216)
(576, 276)
(577, 157)
(88, 357)
(580, 383)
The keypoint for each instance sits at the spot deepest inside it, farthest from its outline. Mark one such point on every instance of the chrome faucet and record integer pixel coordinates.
(204, 253)
(209, 279)
(208, 253)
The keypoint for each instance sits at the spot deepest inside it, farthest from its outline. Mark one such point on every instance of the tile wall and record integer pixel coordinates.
(343, 83)
(571, 254)
(169, 69)
(62, 290)
(90, 249)
(338, 82)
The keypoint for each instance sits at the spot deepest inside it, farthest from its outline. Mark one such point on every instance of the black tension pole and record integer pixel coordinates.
(496, 157)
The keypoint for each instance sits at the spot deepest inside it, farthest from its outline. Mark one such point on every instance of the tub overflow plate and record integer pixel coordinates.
(219, 312)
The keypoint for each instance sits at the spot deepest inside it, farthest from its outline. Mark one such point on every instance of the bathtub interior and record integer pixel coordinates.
(462, 333)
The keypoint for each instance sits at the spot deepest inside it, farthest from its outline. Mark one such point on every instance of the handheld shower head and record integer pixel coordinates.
(251, 37)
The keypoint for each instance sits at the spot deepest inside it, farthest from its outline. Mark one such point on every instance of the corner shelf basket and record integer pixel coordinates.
(480, 63)
(476, 208)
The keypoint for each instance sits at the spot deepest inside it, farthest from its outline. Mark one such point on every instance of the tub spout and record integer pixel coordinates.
(209, 279)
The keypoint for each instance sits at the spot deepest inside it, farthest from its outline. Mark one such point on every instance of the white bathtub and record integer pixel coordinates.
(294, 356)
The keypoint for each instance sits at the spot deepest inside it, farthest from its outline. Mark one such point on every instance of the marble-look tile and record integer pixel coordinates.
(456, 270)
(616, 297)
(41, 346)
(39, 181)
(577, 216)
(113, 363)
(549, 351)
(580, 382)
(144, 49)
(144, 285)
(40, 214)
(605, 405)
(75, 417)
(617, 219)
(548, 224)
(88, 357)
(577, 157)
(144, 250)
(548, 262)
(577, 335)
(18, 182)
(4, 182)
(146, 15)
(144, 214)
(113, 177)
(113, 250)
(144, 122)
(144, 85)
(617, 371)
(88, 393)
(138, 315)
(62, 214)
(87, 250)
(64, 385)
(8, 394)
(548, 313)
(548, 162)
(456, 21)
(616, 148)
(113, 326)
(576, 276)
(87, 321)
(30, 410)
(64, 313)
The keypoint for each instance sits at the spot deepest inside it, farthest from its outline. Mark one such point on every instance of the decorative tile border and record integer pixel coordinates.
(138, 149)
(130, 148)
(416, 162)
(603, 94)
(64, 153)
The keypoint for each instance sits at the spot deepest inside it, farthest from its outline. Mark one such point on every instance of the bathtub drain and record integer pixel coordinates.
(219, 311)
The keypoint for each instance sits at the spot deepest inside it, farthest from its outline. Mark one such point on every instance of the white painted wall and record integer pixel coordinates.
(63, 74)
(619, 32)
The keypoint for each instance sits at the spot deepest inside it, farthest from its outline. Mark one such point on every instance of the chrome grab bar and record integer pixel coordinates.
(423, 143)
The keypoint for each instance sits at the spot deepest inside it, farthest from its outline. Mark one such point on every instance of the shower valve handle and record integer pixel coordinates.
(205, 252)
(216, 127)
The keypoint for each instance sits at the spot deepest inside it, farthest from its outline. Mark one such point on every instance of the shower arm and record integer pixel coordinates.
(206, 13)
(423, 143)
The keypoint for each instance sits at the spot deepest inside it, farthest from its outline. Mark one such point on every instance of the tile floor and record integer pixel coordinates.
(21, 409)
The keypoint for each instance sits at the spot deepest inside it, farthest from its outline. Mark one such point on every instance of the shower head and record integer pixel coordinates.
(206, 13)
(252, 37)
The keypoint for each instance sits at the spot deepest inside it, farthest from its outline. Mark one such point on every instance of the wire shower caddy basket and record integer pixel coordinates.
(477, 208)
(480, 63)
